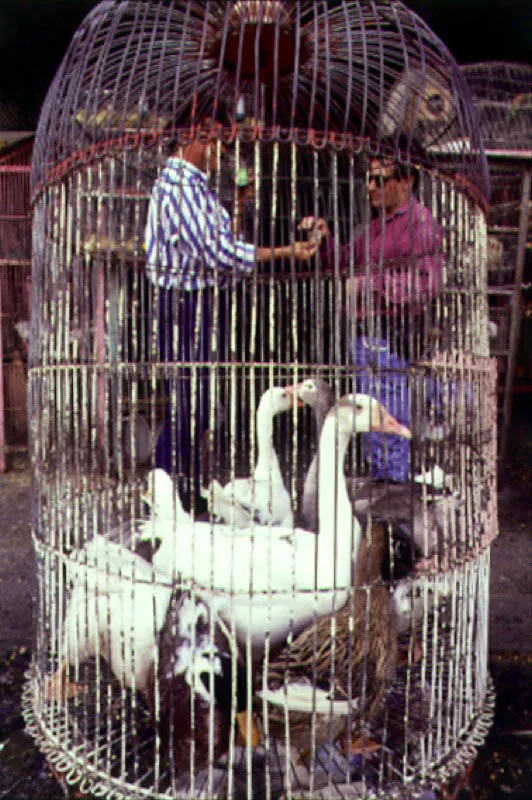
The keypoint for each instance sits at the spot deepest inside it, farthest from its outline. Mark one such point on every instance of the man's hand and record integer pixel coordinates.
(303, 251)
(316, 228)
(352, 285)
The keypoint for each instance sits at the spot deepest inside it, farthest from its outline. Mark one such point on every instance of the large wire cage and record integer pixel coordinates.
(15, 274)
(262, 404)
(502, 95)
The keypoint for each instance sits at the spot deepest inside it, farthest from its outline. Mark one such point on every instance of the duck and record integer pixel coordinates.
(112, 588)
(446, 504)
(261, 497)
(339, 667)
(190, 690)
(425, 515)
(401, 506)
(269, 580)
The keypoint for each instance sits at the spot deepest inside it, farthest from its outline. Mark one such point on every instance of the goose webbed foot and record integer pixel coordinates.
(355, 744)
(245, 722)
(57, 687)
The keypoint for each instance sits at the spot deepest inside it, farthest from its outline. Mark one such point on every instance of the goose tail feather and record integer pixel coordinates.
(304, 697)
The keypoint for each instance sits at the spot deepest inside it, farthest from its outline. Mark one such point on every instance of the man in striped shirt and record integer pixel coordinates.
(191, 247)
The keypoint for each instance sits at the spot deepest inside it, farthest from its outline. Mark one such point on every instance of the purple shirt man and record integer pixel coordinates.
(404, 256)
(397, 266)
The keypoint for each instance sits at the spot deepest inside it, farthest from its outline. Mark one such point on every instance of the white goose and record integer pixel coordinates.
(115, 610)
(118, 602)
(267, 579)
(164, 503)
(262, 497)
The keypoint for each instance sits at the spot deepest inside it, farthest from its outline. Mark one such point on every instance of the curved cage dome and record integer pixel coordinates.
(502, 94)
(151, 67)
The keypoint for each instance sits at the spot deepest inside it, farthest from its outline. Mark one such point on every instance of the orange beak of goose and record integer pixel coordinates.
(383, 422)
(294, 391)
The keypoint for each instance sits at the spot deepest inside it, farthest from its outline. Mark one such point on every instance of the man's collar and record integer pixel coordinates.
(400, 210)
(181, 164)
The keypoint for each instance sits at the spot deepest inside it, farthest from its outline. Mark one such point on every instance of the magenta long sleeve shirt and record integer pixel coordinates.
(397, 259)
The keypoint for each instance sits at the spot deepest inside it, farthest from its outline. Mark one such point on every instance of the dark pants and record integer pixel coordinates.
(185, 339)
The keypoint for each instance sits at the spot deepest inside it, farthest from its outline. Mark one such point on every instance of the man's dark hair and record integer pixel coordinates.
(409, 148)
(408, 172)
(222, 113)
(210, 114)
(410, 153)
(217, 110)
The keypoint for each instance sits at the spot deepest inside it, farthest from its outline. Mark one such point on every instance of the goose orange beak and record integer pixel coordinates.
(385, 423)
(294, 391)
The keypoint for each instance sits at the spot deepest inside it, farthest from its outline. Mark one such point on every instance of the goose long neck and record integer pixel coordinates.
(332, 485)
(266, 458)
(310, 485)
(322, 409)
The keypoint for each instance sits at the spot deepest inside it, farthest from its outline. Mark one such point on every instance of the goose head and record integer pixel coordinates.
(279, 398)
(317, 394)
(160, 495)
(364, 414)
(352, 414)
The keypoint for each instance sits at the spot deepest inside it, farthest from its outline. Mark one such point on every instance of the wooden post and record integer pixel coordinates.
(2, 410)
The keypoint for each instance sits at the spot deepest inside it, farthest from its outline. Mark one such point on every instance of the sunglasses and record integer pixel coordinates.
(381, 179)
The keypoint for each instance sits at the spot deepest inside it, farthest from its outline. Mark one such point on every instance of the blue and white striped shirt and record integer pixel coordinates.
(189, 238)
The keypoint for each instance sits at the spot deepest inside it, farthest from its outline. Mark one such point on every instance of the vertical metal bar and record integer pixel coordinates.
(515, 327)
(100, 354)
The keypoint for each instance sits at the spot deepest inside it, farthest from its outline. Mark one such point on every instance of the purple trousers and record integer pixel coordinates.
(388, 455)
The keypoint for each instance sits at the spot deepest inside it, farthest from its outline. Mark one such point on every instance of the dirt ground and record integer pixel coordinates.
(504, 766)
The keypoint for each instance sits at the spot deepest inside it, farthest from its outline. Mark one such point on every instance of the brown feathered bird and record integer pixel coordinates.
(341, 665)
(198, 660)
